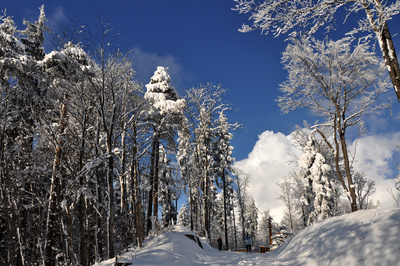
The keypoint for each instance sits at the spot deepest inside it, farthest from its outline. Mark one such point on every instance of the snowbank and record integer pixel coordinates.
(370, 237)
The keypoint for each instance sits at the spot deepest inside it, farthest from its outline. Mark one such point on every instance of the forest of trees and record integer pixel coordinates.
(92, 161)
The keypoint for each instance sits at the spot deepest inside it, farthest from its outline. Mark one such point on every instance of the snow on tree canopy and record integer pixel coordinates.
(71, 55)
(317, 195)
(162, 95)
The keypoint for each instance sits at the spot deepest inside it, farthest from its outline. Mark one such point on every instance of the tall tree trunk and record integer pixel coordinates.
(82, 234)
(234, 227)
(111, 209)
(155, 179)
(390, 58)
(5, 200)
(53, 214)
(151, 176)
(136, 211)
(205, 200)
(99, 249)
(110, 179)
(385, 43)
(336, 155)
(346, 159)
(81, 207)
(191, 204)
(225, 219)
(241, 207)
(122, 181)
(340, 127)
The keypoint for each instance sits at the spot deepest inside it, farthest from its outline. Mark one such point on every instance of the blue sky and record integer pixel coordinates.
(199, 41)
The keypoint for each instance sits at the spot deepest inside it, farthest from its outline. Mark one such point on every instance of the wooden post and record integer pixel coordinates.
(270, 232)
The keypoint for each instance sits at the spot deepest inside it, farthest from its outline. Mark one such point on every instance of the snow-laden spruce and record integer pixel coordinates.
(162, 94)
(165, 113)
(317, 198)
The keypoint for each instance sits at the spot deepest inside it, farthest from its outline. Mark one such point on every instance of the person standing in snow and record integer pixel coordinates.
(248, 243)
(220, 243)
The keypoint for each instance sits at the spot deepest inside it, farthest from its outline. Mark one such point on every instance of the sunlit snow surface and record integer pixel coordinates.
(370, 237)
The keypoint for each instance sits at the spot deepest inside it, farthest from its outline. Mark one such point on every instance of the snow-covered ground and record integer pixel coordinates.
(368, 237)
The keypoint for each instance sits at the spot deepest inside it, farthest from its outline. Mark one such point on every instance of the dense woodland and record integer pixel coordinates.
(92, 161)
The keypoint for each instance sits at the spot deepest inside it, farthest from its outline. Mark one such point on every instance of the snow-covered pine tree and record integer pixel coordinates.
(34, 33)
(11, 49)
(262, 237)
(217, 220)
(251, 219)
(23, 95)
(317, 195)
(222, 165)
(242, 182)
(164, 113)
(184, 216)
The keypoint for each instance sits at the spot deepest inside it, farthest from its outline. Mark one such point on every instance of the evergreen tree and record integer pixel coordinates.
(165, 112)
(251, 219)
(222, 165)
(263, 229)
(317, 198)
(34, 36)
(184, 216)
(23, 97)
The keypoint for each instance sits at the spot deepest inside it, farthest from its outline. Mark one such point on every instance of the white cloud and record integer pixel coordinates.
(265, 165)
(57, 17)
(377, 156)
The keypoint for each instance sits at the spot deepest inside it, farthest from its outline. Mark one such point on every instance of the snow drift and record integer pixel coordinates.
(368, 237)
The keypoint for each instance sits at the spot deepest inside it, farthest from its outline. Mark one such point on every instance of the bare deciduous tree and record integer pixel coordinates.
(337, 83)
(282, 17)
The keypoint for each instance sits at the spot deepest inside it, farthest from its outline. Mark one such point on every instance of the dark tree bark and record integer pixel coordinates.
(53, 214)
(155, 178)
(225, 216)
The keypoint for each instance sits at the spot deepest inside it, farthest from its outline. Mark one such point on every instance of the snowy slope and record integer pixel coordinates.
(370, 237)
